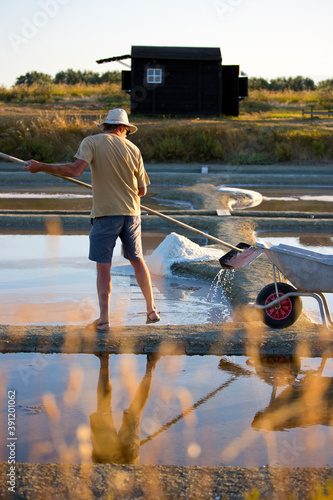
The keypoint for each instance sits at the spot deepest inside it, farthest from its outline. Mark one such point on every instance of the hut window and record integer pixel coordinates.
(154, 75)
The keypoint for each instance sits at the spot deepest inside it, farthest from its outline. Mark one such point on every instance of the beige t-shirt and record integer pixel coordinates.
(117, 173)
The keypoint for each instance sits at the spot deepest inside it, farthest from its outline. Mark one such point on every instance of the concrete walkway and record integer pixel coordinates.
(210, 339)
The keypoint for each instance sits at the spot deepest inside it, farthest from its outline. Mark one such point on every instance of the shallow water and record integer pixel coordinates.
(295, 199)
(175, 410)
(50, 198)
(49, 280)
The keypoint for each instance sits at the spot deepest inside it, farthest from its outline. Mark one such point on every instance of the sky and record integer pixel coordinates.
(267, 38)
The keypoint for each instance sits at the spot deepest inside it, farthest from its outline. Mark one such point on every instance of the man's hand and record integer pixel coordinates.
(33, 166)
(142, 191)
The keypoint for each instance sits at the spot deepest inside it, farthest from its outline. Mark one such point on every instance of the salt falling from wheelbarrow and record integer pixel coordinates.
(176, 248)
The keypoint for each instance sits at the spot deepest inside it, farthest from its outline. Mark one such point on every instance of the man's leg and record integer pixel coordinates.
(104, 287)
(143, 278)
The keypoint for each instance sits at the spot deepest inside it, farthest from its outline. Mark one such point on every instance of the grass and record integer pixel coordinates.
(48, 122)
(55, 93)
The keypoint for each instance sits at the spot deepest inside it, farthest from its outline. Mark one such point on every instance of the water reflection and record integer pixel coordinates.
(173, 410)
(122, 447)
(300, 402)
(299, 398)
(305, 401)
(318, 240)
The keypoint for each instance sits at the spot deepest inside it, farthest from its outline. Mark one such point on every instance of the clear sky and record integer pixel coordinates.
(267, 38)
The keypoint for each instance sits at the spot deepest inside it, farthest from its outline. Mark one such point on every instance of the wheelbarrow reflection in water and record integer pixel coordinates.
(305, 402)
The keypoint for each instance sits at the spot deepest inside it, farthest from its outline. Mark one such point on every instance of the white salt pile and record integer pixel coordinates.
(176, 248)
(247, 198)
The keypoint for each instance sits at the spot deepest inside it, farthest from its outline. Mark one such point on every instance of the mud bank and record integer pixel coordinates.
(189, 174)
(127, 482)
(237, 338)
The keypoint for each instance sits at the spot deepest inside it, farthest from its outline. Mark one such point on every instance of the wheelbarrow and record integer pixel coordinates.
(310, 274)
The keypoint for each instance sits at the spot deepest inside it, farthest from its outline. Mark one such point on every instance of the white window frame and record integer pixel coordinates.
(154, 75)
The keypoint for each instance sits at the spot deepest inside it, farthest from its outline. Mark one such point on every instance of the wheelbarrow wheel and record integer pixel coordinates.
(286, 312)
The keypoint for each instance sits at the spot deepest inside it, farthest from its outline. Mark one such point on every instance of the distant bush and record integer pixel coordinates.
(283, 151)
(318, 147)
(296, 84)
(34, 78)
(69, 77)
(258, 84)
(325, 85)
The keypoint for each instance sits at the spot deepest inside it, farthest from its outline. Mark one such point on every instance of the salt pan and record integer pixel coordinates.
(176, 248)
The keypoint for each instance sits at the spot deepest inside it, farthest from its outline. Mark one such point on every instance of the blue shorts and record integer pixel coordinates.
(105, 231)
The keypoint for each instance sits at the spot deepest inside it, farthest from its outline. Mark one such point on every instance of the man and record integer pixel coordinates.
(119, 180)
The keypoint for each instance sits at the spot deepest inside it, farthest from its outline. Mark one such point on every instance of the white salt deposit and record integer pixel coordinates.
(176, 248)
(248, 199)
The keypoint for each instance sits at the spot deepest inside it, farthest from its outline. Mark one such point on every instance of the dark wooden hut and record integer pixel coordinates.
(188, 81)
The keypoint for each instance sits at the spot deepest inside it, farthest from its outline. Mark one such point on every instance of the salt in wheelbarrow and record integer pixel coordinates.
(310, 274)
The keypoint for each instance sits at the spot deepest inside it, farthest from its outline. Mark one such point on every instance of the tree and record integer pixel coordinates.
(297, 83)
(325, 85)
(300, 83)
(111, 77)
(33, 77)
(90, 77)
(279, 83)
(258, 83)
(70, 77)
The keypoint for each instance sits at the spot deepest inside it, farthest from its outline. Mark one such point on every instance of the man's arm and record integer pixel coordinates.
(66, 169)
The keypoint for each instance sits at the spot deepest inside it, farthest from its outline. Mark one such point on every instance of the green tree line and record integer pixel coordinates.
(297, 84)
(69, 77)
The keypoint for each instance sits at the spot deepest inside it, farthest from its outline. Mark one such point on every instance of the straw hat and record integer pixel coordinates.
(119, 116)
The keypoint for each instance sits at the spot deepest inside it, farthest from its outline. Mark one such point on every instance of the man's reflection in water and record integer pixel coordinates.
(121, 447)
(306, 400)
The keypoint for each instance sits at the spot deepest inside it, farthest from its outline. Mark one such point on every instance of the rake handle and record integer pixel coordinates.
(149, 210)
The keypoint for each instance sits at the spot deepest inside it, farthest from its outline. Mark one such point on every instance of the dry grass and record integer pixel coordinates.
(270, 127)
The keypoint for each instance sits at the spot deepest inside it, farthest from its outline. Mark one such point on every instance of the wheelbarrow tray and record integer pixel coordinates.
(306, 270)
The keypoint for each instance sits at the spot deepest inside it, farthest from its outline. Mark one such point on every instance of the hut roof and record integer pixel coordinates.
(183, 53)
